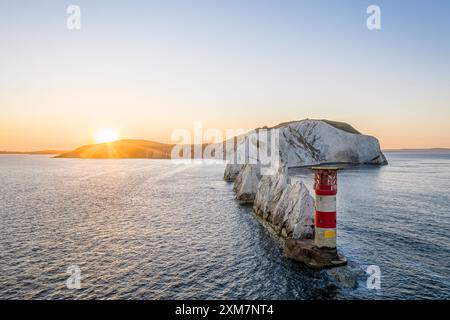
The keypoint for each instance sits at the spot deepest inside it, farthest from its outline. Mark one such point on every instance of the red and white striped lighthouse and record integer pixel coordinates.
(321, 252)
(325, 186)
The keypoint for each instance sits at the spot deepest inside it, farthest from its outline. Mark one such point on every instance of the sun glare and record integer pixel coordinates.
(106, 135)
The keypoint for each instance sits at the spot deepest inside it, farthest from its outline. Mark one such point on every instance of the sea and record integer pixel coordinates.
(153, 229)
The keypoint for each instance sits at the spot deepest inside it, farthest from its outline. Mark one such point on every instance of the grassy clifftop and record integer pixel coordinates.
(339, 125)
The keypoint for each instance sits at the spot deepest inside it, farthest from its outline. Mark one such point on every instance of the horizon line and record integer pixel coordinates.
(59, 151)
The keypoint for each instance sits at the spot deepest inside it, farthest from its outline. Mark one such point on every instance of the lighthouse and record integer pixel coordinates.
(325, 188)
(320, 252)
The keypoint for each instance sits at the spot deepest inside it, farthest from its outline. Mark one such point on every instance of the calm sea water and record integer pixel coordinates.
(148, 229)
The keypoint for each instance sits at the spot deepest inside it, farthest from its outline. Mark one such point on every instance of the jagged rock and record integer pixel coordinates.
(344, 277)
(246, 183)
(232, 171)
(269, 193)
(295, 212)
(288, 207)
(316, 258)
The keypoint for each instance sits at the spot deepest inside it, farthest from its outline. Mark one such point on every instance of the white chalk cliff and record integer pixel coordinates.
(310, 142)
(288, 206)
(246, 183)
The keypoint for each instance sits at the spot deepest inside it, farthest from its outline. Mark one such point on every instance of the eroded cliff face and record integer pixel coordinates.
(310, 142)
(232, 171)
(288, 206)
(246, 183)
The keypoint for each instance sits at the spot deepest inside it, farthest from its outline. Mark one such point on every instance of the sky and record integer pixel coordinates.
(146, 68)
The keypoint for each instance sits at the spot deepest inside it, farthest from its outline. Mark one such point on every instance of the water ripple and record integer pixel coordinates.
(148, 229)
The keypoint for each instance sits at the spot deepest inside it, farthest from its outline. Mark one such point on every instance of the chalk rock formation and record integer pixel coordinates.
(269, 193)
(310, 142)
(287, 206)
(246, 183)
(232, 171)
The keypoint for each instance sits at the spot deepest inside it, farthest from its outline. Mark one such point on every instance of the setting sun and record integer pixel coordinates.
(106, 135)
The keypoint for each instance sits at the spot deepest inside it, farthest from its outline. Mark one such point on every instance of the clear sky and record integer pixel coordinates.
(148, 67)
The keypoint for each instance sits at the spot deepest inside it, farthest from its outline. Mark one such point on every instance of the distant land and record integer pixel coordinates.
(145, 149)
(442, 150)
(40, 152)
(122, 149)
(155, 150)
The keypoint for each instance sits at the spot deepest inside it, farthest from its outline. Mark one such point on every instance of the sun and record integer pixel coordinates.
(106, 135)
